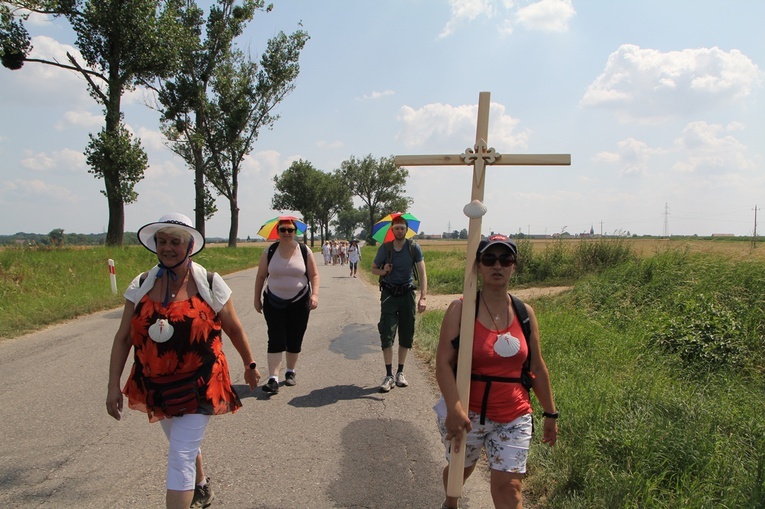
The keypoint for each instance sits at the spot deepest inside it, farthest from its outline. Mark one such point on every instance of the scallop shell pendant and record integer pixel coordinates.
(507, 345)
(161, 331)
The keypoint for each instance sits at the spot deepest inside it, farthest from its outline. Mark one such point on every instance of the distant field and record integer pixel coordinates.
(643, 247)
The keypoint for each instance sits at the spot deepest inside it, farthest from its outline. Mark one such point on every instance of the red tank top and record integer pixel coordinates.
(507, 401)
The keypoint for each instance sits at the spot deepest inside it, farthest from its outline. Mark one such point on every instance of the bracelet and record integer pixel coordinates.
(551, 416)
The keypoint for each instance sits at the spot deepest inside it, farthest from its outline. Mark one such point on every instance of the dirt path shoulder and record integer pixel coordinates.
(436, 302)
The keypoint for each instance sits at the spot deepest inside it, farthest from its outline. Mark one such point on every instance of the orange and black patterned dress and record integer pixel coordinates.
(195, 349)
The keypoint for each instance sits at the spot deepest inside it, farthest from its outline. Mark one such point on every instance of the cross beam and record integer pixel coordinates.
(478, 157)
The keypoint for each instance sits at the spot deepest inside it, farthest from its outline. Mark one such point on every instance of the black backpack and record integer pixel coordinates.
(527, 377)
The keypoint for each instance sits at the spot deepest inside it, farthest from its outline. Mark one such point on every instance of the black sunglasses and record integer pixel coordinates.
(490, 259)
(286, 230)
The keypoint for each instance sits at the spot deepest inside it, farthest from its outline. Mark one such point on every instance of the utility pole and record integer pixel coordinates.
(754, 237)
(666, 220)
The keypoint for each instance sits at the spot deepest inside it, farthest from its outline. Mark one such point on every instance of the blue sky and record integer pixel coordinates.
(661, 105)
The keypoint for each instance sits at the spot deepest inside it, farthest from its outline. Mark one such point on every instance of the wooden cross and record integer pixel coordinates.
(478, 157)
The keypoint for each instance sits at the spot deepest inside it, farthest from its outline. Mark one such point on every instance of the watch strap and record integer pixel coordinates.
(551, 416)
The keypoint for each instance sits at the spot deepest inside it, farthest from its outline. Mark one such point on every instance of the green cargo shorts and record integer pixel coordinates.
(397, 313)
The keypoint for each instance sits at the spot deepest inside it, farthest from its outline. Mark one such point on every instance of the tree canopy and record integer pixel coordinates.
(317, 195)
(379, 184)
(122, 45)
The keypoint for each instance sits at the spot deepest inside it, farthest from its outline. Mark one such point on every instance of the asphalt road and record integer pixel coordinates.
(332, 441)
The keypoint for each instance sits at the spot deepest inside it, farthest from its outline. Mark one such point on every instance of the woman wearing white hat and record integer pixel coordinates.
(173, 318)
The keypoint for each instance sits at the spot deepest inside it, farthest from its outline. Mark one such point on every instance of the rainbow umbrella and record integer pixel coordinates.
(270, 230)
(382, 232)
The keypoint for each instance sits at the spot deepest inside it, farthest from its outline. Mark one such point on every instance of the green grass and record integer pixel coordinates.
(39, 287)
(657, 363)
(657, 368)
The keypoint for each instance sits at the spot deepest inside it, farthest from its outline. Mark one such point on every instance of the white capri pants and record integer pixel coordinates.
(185, 434)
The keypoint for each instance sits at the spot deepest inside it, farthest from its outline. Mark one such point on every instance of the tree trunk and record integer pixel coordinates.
(116, 227)
(199, 198)
(200, 210)
(111, 173)
(232, 233)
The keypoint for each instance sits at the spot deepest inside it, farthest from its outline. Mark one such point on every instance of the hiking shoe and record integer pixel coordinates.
(203, 495)
(289, 378)
(400, 380)
(271, 387)
(387, 384)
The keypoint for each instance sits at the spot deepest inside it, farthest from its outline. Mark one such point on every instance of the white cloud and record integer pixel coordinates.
(456, 125)
(546, 15)
(43, 85)
(65, 159)
(647, 85)
(25, 190)
(266, 163)
(466, 10)
(377, 95)
(80, 118)
(152, 139)
(710, 149)
(632, 155)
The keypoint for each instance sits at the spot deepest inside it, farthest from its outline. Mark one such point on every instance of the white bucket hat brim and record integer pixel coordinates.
(147, 232)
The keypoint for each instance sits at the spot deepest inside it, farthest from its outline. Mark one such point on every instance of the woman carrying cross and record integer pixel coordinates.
(506, 363)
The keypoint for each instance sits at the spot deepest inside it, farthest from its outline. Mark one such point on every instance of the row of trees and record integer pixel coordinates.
(325, 199)
(213, 98)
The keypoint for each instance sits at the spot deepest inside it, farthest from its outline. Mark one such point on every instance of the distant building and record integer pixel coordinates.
(723, 235)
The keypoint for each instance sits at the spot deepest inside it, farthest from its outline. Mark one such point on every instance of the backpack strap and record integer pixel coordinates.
(526, 379)
(303, 251)
(412, 251)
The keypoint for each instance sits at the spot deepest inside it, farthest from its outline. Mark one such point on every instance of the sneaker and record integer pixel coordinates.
(400, 380)
(203, 495)
(271, 387)
(387, 384)
(289, 378)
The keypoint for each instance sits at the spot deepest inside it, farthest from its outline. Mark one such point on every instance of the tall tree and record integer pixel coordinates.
(348, 221)
(244, 96)
(123, 44)
(184, 98)
(332, 197)
(379, 184)
(318, 196)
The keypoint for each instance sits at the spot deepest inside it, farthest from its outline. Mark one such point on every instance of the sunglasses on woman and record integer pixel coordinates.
(286, 230)
(505, 259)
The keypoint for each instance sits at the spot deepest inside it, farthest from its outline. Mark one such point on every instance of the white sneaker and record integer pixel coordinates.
(387, 384)
(400, 380)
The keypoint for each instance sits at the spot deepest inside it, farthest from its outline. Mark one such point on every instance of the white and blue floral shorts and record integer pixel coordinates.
(506, 443)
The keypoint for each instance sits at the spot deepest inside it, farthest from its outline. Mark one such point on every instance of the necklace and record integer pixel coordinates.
(506, 345)
(173, 293)
(494, 317)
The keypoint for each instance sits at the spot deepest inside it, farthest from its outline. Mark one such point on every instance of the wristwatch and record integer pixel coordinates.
(551, 416)
(253, 365)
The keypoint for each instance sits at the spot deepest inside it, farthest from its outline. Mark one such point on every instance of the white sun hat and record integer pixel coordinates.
(147, 232)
